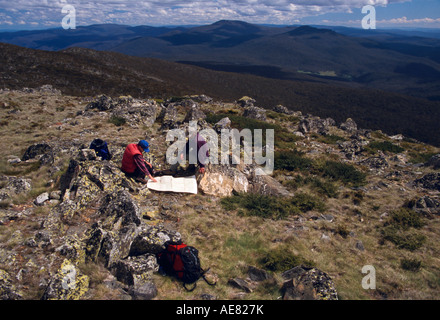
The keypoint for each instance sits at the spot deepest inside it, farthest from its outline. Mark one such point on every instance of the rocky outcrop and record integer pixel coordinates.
(312, 124)
(253, 112)
(306, 283)
(429, 181)
(135, 112)
(349, 125)
(282, 109)
(7, 288)
(427, 205)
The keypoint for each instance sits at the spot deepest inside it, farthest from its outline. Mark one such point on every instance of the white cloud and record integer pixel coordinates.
(156, 12)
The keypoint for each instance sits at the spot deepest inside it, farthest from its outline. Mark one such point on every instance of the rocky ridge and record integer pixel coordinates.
(87, 215)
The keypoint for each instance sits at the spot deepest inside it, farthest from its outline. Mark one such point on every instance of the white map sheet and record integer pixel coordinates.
(171, 184)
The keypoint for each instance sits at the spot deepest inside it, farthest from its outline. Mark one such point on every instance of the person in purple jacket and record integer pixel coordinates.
(201, 157)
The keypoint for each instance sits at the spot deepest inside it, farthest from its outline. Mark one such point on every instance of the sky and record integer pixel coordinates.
(41, 14)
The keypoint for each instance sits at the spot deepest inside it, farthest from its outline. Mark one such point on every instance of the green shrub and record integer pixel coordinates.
(403, 239)
(405, 218)
(291, 161)
(398, 229)
(413, 265)
(420, 157)
(305, 202)
(384, 146)
(281, 259)
(117, 121)
(326, 188)
(251, 204)
(264, 206)
(342, 231)
(343, 172)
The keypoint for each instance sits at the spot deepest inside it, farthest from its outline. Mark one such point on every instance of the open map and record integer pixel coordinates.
(169, 183)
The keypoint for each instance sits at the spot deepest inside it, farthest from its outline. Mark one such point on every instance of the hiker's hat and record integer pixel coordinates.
(144, 145)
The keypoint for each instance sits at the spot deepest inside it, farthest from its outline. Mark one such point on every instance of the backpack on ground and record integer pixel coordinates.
(101, 149)
(182, 262)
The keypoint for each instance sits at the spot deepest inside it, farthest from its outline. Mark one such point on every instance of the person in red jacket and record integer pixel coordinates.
(134, 164)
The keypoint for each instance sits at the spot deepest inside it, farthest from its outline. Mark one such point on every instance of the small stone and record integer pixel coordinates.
(41, 199)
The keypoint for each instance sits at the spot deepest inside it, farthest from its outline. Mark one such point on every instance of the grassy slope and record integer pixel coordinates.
(229, 242)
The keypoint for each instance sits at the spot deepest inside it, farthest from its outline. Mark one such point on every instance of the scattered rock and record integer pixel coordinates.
(13, 186)
(360, 246)
(256, 274)
(41, 199)
(101, 103)
(224, 123)
(427, 205)
(86, 155)
(375, 163)
(240, 284)
(434, 162)
(195, 114)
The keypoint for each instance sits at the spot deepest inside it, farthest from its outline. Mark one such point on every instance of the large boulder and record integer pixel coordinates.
(222, 181)
(39, 151)
(267, 185)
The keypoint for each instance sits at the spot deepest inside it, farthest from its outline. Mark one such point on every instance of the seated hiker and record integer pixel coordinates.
(133, 163)
(101, 149)
(201, 158)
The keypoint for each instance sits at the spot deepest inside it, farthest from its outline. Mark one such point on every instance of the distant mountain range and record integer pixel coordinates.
(405, 62)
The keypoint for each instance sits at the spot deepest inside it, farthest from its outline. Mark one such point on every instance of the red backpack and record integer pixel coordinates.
(182, 262)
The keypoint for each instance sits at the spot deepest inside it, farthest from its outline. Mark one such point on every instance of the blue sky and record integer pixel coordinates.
(26, 14)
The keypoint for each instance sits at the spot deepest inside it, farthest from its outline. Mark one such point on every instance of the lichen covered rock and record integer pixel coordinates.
(67, 284)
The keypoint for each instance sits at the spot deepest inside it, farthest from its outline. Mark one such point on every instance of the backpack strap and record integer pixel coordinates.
(191, 289)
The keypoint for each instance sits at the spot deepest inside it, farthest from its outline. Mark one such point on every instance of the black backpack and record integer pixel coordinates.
(182, 262)
(101, 149)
